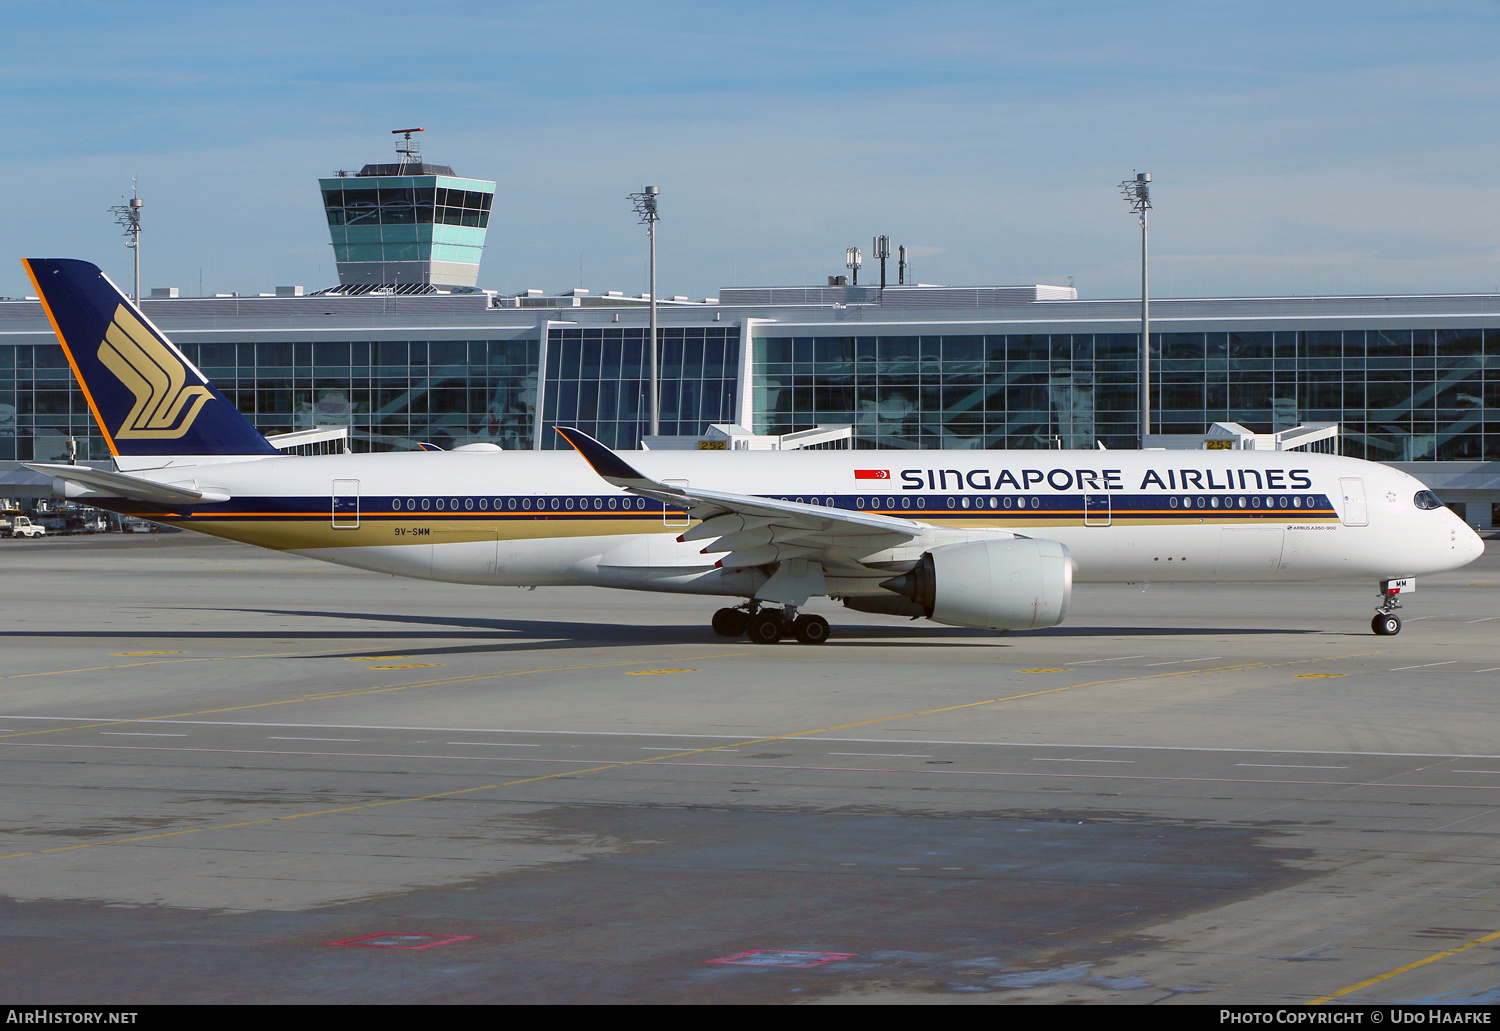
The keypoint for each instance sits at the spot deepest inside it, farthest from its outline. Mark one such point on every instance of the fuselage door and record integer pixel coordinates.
(346, 504)
(1355, 512)
(1096, 510)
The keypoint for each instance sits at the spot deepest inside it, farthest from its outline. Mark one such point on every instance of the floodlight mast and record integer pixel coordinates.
(645, 208)
(1138, 192)
(128, 217)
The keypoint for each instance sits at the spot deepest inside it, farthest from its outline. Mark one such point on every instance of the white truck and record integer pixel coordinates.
(21, 526)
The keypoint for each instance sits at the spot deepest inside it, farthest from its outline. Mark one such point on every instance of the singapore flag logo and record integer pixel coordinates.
(872, 474)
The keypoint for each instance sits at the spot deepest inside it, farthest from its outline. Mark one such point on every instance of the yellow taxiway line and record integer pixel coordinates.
(1401, 970)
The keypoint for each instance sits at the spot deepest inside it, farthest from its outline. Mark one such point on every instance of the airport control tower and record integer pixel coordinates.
(409, 226)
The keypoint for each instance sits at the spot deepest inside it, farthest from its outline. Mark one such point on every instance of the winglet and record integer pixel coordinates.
(610, 466)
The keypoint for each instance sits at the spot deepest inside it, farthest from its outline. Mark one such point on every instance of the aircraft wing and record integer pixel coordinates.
(135, 488)
(749, 530)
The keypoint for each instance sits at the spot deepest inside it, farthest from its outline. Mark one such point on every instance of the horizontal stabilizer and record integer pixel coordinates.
(133, 487)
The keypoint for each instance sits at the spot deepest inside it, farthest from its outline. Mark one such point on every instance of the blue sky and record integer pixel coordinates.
(1297, 148)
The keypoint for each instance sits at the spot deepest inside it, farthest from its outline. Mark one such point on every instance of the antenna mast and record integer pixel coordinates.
(882, 250)
(410, 150)
(128, 217)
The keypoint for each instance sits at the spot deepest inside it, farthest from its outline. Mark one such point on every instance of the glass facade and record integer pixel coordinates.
(394, 393)
(381, 224)
(402, 203)
(41, 405)
(596, 380)
(1400, 395)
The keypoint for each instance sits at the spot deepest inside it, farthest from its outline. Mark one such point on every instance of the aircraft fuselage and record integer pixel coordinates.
(534, 518)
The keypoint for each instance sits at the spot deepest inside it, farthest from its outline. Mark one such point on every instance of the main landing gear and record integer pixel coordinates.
(770, 625)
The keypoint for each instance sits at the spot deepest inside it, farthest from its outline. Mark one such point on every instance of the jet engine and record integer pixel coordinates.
(1016, 584)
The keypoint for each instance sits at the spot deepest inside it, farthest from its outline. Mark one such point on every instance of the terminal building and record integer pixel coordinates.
(407, 351)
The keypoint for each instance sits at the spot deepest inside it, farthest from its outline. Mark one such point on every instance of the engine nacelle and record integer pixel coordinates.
(1016, 584)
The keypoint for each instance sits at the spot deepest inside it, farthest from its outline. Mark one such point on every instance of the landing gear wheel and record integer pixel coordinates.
(730, 622)
(1386, 624)
(766, 627)
(810, 629)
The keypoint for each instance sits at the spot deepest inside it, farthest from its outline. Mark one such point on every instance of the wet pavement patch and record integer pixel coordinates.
(1039, 897)
(782, 958)
(403, 941)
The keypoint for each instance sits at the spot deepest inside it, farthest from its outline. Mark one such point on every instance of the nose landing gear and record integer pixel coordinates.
(770, 625)
(1386, 623)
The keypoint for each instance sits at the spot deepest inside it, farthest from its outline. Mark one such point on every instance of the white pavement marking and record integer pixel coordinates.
(1083, 760)
(1096, 745)
(617, 764)
(1288, 766)
(368, 726)
(1474, 771)
(1424, 665)
(884, 755)
(1486, 619)
(331, 755)
(1117, 658)
(137, 733)
(1178, 662)
(501, 744)
(352, 740)
(1476, 816)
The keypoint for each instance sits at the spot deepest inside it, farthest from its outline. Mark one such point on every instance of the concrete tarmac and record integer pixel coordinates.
(219, 762)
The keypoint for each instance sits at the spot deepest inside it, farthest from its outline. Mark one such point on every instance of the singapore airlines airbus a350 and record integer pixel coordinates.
(968, 538)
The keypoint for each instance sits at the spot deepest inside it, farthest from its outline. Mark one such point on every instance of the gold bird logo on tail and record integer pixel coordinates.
(165, 406)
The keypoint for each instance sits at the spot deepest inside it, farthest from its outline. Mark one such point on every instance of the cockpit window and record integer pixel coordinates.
(1427, 499)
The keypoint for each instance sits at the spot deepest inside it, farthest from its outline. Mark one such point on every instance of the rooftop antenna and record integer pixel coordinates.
(882, 250)
(410, 151)
(852, 261)
(901, 266)
(645, 208)
(128, 217)
(1138, 192)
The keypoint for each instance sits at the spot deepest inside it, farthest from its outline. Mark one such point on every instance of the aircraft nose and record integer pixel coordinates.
(1472, 546)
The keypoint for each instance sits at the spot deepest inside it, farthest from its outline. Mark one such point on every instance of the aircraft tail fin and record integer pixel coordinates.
(147, 398)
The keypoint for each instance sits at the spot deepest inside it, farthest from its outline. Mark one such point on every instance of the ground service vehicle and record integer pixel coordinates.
(21, 526)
